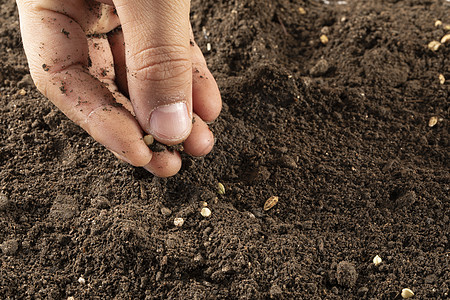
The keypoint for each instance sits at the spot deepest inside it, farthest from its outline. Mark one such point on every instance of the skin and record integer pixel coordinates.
(147, 78)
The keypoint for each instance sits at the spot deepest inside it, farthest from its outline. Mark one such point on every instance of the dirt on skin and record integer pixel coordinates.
(338, 131)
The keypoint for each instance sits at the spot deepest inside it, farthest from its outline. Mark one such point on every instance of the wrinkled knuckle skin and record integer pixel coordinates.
(161, 64)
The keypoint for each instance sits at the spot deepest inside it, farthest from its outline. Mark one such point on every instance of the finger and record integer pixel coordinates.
(201, 140)
(164, 164)
(59, 66)
(207, 101)
(158, 58)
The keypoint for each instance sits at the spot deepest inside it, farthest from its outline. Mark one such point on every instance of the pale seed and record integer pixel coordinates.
(407, 293)
(434, 45)
(445, 39)
(205, 212)
(433, 121)
(447, 27)
(377, 260)
(302, 11)
(148, 139)
(271, 202)
(178, 222)
(324, 39)
(441, 79)
(438, 23)
(220, 189)
(22, 92)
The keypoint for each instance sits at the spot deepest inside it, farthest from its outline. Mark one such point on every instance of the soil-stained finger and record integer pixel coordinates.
(201, 140)
(164, 164)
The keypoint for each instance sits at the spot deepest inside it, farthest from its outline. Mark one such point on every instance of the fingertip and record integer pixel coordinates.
(207, 101)
(164, 164)
(118, 131)
(201, 140)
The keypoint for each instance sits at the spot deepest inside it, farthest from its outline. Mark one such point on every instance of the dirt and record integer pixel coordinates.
(338, 131)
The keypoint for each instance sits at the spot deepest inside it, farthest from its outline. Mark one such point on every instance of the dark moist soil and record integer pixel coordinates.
(339, 132)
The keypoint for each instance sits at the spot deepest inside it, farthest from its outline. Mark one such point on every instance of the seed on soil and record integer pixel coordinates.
(407, 293)
(22, 92)
(324, 39)
(204, 204)
(445, 39)
(302, 11)
(271, 202)
(148, 139)
(434, 45)
(433, 121)
(447, 27)
(220, 189)
(81, 280)
(178, 222)
(208, 47)
(438, 23)
(205, 212)
(377, 260)
(441, 79)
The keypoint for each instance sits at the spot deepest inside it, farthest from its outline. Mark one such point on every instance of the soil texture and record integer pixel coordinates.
(335, 107)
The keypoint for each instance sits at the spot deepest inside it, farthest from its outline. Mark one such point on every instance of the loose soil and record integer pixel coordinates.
(338, 131)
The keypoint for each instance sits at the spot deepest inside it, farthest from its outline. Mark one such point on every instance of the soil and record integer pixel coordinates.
(339, 131)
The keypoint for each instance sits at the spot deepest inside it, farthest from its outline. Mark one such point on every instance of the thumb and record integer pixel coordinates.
(159, 68)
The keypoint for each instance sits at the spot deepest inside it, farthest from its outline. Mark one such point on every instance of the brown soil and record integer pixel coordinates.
(339, 132)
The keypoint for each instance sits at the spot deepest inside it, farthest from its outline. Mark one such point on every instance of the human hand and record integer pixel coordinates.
(87, 68)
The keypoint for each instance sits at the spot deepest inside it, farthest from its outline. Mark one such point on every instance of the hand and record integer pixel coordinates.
(87, 67)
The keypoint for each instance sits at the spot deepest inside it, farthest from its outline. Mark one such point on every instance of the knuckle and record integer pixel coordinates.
(164, 63)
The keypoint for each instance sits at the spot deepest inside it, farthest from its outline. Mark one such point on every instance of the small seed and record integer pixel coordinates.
(377, 260)
(208, 47)
(445, 39)
(204, 204)
(441, 79)
(434, 45)
(271, 202)
(433, 121)
(438, 23)
(302, 11)
(148, 139)
(81, 280)
(178, 222)
(407, 293)
(206, 212)
(22, 92)
(447, 27)
(324, 39)
(220, 189)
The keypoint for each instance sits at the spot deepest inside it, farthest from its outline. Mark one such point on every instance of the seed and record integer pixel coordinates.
(148, 139)
(433, 121)
(445, 39)
(81, 280)
(438, 23)
(271, 202)
(377, 260)
(22, 92)
(407, 293)
(178, 222)
(220, 189)
(208, 47)
(206, 212)
(447, 27)
(434, 45)
(302, 11)
(441, 79)
(324, 39)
